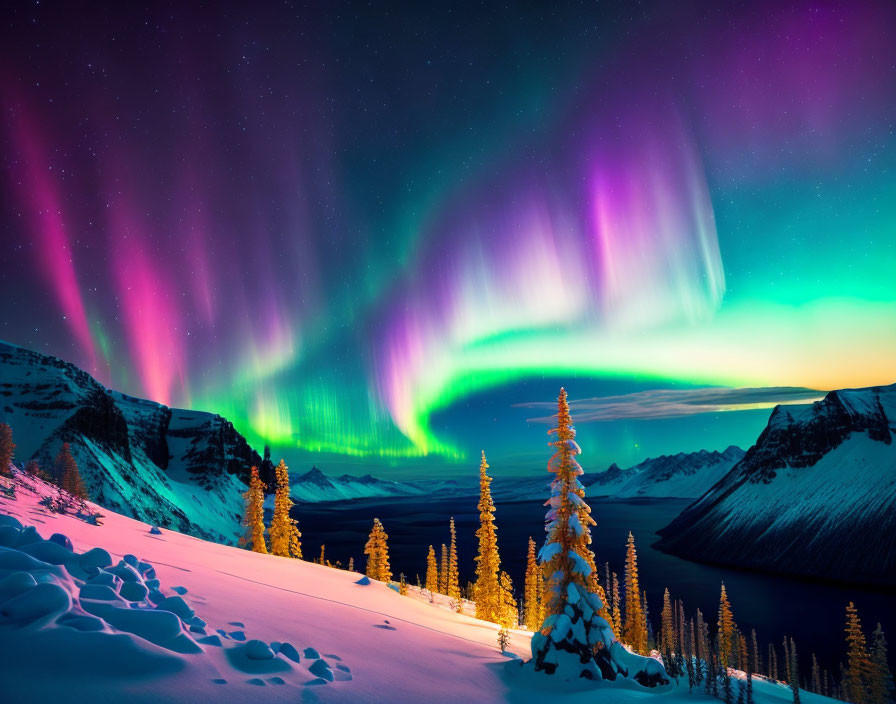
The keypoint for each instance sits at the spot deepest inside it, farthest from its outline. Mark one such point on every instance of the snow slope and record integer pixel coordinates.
(215, 624)
(175, 468)
(815, 495)
(316, 486)
(62, 644)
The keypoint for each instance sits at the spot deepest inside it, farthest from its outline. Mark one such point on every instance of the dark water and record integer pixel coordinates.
(811, 612)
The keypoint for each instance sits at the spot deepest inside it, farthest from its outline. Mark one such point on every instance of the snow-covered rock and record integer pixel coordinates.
(816, 494)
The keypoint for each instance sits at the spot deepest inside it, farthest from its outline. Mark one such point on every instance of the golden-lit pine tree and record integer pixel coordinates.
(569, 561)
(488, 563)
(532, 612)
(443, 570)
(616, 613)
(858, 665)
(727, 628)
(634, 631)
(377, 551)
(7, 449)
(508, 615)
(432, 571)
(254, 517)
(286, 540)
(69, 476)
(452, 582)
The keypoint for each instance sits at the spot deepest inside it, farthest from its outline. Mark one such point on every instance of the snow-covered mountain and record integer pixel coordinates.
(815, 495)
(316, 486)
(175, 468)
(685, 475)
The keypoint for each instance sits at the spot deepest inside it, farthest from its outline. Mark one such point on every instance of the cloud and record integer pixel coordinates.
(671, 403)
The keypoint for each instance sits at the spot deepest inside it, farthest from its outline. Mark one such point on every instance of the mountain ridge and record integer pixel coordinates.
(814, 496)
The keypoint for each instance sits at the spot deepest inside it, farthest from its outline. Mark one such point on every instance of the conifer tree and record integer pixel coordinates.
(452, 586)
(69, 477)
(322, 560)
(432, 571)
(488, 563)
(351, 564)
(858, 666)
(286, 540)
(532, 616)
(667, 636)
(794, 673)
(616, 611)
(377, 551)
(577, 622)
(881, 684)
(646, 626)
(7, 450)
(772, 662)
(726, 630)
(634, 630)
(565, 555)
(254, 517)
(507, 613)
(756, 665)
(443, 571)
(816, 676)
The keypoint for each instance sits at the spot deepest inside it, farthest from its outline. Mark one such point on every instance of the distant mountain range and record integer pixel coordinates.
(179, 469)
(816, 495)
(317, 486)
(685, 475)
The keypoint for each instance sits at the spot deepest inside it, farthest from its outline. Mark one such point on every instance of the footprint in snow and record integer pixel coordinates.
(219, 680)
(238, 624)
(257, 681)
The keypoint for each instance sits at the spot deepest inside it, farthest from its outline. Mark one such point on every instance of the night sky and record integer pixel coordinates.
(382, 239)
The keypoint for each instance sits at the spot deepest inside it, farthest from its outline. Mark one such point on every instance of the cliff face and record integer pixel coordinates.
(816, 495)
(180, 469)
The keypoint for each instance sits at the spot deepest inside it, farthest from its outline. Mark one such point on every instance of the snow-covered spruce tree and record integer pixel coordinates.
(7, 450)
(576, 641)
(452, 581)
(488, 562)
(253, 538)
(286, 540)
(432, 571)
(533, 613)
(377, 552)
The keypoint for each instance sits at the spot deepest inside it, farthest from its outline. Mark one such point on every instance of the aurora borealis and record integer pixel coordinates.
(381, 237)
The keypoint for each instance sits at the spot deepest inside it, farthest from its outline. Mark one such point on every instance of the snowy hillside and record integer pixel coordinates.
(316, 486)
(816, 495)
(166, 466)
(117, 612)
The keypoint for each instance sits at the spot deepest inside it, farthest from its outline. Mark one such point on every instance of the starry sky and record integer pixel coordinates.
(381, 237)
